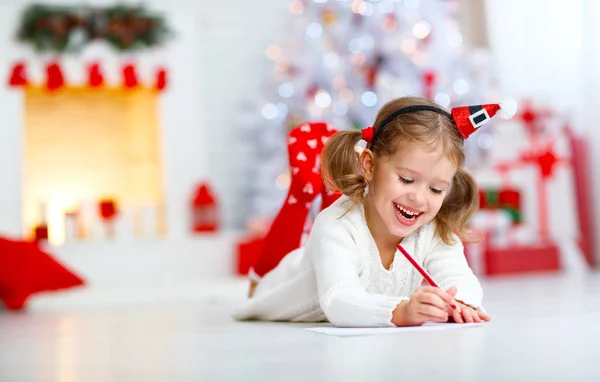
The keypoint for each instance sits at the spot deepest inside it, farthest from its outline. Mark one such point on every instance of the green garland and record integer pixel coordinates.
(64, 29)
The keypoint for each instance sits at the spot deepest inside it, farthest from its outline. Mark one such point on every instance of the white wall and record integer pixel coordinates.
(10, 132)
(590, 80)
(548, 51)
(215, 58)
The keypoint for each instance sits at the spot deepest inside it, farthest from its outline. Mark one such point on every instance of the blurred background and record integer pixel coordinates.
(144, 146)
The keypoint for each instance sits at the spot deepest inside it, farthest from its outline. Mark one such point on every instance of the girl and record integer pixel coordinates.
(408, 186)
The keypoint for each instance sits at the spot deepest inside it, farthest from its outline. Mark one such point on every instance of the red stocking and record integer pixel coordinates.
(305, 144)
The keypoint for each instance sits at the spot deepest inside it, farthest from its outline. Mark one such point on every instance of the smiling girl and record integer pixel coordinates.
(408, 186)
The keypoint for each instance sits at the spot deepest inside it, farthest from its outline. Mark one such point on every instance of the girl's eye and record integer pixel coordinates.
(405, 180)
(436, 191)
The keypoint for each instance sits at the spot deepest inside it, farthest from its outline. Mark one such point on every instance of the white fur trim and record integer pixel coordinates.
(253, 276)
(508, 108)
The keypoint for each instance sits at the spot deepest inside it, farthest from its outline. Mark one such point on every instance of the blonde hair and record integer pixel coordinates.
(340, 164)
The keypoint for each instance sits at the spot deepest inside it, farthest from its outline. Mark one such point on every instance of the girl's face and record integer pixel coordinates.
(406, 190)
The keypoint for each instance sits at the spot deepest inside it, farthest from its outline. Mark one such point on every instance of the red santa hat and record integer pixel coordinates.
(469, 118)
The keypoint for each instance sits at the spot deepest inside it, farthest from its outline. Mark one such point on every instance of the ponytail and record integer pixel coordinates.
(340, 165)
(460, 205)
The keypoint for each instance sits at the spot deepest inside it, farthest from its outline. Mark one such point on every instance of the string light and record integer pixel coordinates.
(356, 6)
(354, 45)
(286, 90)
(346, 95)
(339, 82)
(269, 111)
(443, 99)
(340, 108)
(322, 99)
(273, 52)
(461, 86)
(485, 141)
(358, 59)
(296, 7)
(454, 39)
(369, 99)
(365, 9)
(411, 4)
(408, 46)
(367, 42)
(421, 30)
(386, 7)
(283, 181)
(331, 59)
(314, 30)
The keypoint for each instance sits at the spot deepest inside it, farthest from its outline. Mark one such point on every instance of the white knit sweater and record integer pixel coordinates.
(339, 277)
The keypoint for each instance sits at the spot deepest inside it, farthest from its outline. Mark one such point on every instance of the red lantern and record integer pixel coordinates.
(204, 210)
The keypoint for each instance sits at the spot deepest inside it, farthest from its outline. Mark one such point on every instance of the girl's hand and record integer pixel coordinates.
(427, 304)
(469, 315)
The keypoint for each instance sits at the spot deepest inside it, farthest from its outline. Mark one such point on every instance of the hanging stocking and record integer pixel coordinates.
(18, 75)
(54, 76)
(130, 79)
(161, 79)
(95, 77)
(305, 144)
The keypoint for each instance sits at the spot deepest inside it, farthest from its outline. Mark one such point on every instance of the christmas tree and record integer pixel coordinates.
(340, 61)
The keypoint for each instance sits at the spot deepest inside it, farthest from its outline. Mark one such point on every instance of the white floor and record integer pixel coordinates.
(544, 328)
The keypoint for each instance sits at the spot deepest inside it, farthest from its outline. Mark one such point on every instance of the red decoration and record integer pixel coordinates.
(373, 71)
(40, 232)
(54, 76)
(161, 79)
(25, 270)
(18, 75)
(204, 210)
(312, 90)
(521, 259)
(130, 78)
(429, 78)
(532, 119)
(390, 23)
(546, 160)
(107, 209)
(580, 157)
(248, 251)
(95, 77)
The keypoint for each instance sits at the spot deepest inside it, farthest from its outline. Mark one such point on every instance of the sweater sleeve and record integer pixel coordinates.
(448, 266)
(342, 297)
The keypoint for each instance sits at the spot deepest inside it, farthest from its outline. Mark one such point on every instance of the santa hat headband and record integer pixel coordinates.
(466, 118)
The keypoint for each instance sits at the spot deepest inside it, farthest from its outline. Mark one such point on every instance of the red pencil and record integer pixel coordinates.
(421, 270)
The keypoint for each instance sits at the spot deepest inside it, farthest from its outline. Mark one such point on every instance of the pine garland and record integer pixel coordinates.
(64, 29)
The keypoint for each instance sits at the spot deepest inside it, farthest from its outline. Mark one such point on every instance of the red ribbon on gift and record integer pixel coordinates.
(546, 160)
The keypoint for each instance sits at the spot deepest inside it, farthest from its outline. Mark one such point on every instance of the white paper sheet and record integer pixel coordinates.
(354, 332)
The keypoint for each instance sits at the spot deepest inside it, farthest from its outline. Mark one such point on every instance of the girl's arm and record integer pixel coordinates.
(343, 299)
(448, 266)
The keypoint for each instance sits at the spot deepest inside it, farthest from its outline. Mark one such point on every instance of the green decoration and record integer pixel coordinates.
(67, 29)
